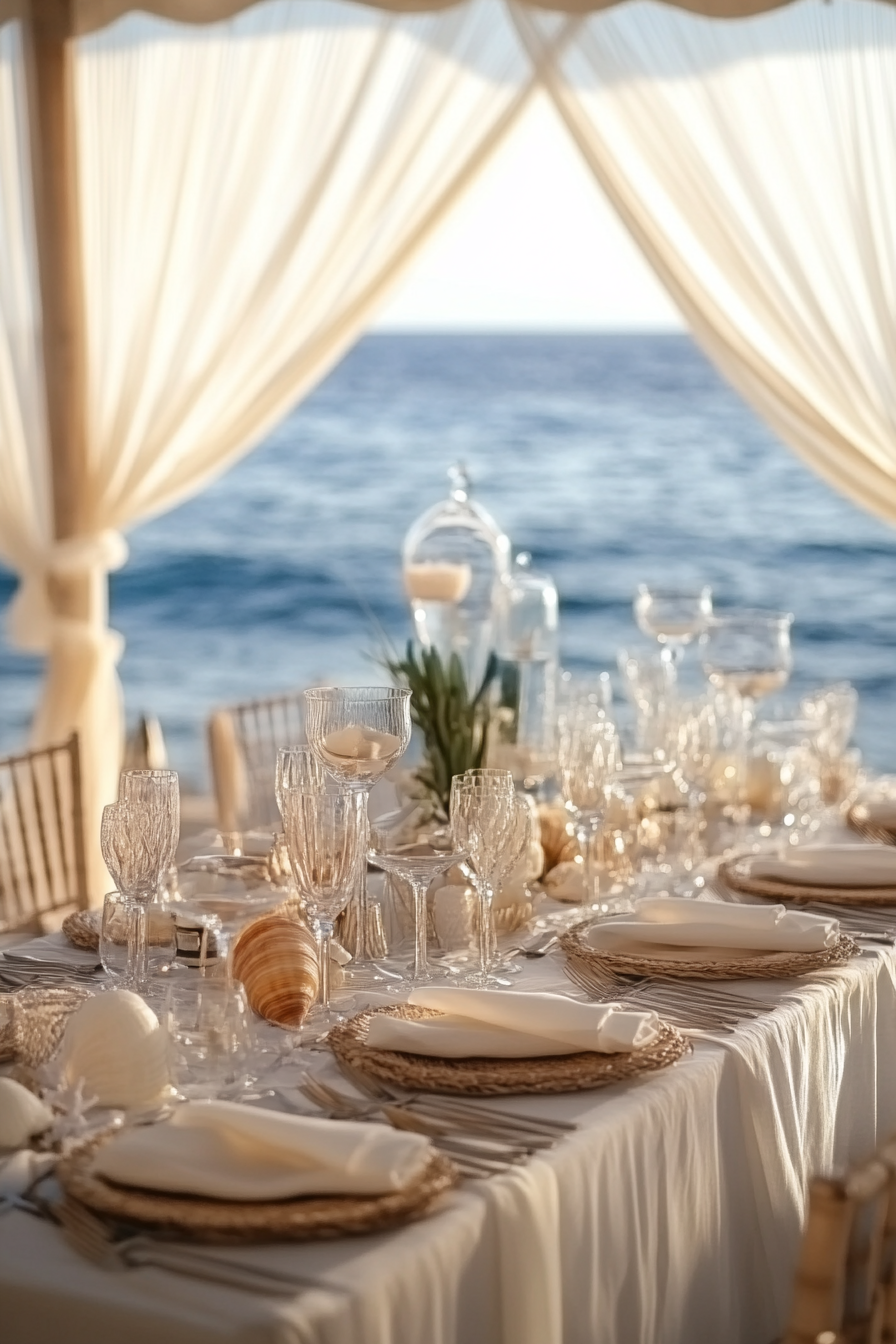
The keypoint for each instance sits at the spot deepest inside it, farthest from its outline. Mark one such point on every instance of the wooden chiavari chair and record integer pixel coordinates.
(845, 1289)
(243, 741)
(43, 874)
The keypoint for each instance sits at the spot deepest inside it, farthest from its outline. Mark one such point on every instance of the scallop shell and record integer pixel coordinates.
(22, 1114)
(276, 959)
(115, 1044)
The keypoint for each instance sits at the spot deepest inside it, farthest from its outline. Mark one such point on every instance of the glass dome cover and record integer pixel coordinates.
(453, 558)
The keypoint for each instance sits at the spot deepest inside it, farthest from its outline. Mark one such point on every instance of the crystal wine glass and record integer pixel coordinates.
(325, 836)
(356, 733)
(673, 616)
(590, 756)
(132, 840)
(748, 653)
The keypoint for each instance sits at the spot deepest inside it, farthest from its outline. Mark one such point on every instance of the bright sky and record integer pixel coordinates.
(533, 244)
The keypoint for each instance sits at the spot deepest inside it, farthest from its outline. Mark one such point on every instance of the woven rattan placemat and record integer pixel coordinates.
(316, 1218)
(735, 873)
(762, 966)
(497, 1077)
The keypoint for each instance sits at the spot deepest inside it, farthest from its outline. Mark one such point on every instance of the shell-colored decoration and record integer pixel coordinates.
(276, 959)
(22, 1114)
(115, 1044)
(566, 882)
(558, 844)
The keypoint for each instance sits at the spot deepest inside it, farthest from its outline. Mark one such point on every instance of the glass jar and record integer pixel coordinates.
(453, 559)
(527, 646)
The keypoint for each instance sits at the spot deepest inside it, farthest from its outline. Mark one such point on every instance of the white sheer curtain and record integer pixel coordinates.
(249, 193)
(753, 161)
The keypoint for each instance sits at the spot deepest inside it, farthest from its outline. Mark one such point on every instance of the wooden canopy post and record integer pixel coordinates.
(49, 26)
(79, 597)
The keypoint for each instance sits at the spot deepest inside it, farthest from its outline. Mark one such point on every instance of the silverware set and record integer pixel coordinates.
(699, 1005)
(120, 1246)
(19, 971)
(481, 1141)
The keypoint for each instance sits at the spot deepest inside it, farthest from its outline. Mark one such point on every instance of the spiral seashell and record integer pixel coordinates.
(276, 959)
(114, 1043)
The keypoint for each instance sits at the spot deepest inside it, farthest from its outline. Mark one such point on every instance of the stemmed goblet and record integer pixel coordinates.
(356, 733)
(418, 864)
(748, 653)
(325, 837)
(673, 616)
(590, 757)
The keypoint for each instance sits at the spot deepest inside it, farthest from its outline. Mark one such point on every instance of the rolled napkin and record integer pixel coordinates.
(224, 1151)
(672, 922)
(481, 1024)
(830, 866)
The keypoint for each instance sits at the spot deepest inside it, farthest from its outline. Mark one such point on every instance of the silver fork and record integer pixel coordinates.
(95, 1240)
(450, 1104)
(492, 1147)
(469, 1165)
(674, 1008)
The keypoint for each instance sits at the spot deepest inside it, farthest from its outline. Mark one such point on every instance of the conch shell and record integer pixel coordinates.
(115, 1044)
(276, 959)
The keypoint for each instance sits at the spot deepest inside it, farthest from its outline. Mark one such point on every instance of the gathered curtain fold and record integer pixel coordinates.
(248, 194)
(752, 161)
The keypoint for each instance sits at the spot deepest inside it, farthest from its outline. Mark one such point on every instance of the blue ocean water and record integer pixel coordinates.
(612, 458)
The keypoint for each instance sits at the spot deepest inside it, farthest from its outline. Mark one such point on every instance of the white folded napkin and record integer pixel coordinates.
(672, 922)
(830, 866)
(225, 1151)
(483, 1024)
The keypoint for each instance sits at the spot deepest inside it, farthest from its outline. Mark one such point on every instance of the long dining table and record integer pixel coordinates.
(672, 1213)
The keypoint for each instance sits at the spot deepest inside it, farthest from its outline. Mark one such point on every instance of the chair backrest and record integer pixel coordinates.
(845, 1288)
(243, 742)
(43, 874)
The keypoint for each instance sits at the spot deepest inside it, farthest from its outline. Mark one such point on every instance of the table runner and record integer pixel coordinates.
(673, 1214)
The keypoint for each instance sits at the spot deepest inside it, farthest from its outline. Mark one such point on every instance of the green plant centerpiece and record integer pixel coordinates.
(453, 722)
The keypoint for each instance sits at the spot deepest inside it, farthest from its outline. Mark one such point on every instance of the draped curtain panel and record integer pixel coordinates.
(753, 162)
(249, 193)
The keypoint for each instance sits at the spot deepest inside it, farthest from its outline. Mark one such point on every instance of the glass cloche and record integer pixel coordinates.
(454, 559)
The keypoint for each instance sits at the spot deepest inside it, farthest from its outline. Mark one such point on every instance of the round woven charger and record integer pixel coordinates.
(737, 880)
(316, 1218)
(860, 820)
(83, 929)
(497, 1077)
(764, 966)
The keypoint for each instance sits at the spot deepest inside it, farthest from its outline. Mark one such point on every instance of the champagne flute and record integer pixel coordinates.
(131, 840)
(673, 616)
(297, 767)
(590, 757)
(481, 817)
(325, 837)
(356, 733)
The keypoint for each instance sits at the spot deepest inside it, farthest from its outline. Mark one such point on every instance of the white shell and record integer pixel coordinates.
(22, 1114)
(115, 1044)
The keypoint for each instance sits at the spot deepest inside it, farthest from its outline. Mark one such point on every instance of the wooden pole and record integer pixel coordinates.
(49, 26)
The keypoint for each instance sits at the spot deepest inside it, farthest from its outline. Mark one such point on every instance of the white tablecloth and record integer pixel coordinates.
(672, 1215)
